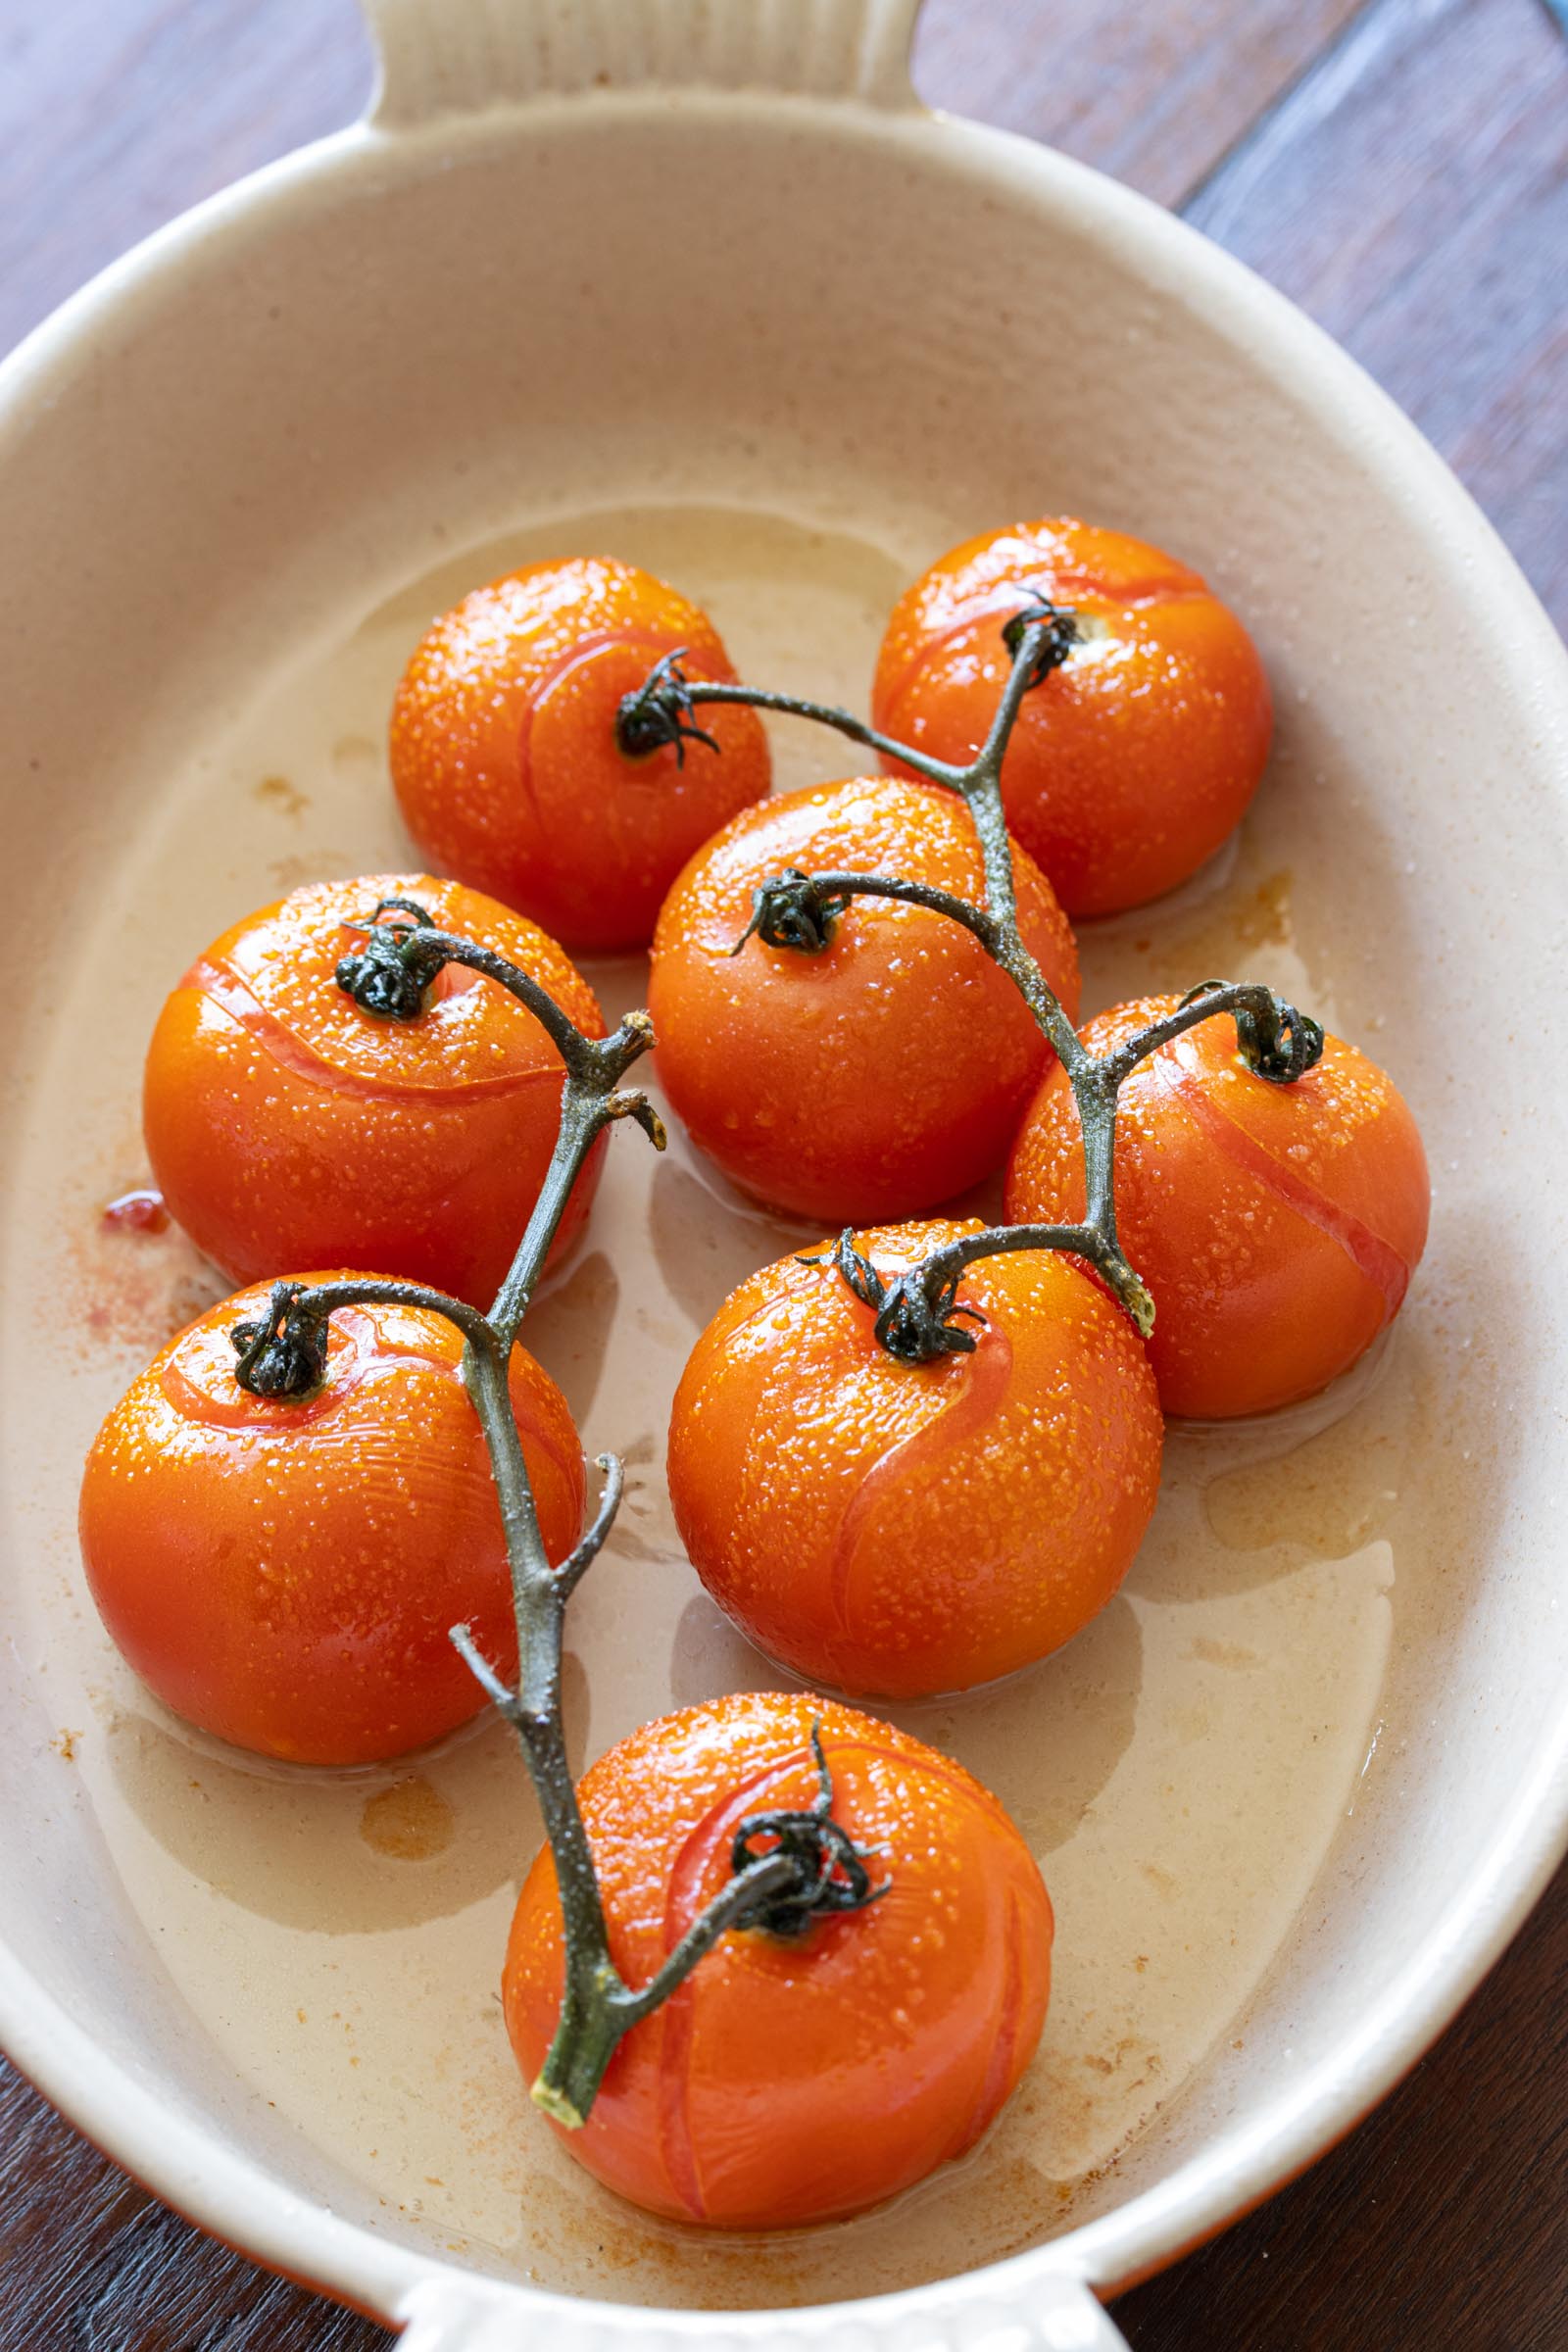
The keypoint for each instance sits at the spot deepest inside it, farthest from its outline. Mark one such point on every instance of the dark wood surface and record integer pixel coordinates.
(1400, 169)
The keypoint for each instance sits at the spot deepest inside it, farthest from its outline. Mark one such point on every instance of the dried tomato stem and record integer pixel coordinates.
(796, 911)
(389, 978)
(1039, 639)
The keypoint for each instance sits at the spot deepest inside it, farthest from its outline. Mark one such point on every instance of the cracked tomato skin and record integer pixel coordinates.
(505, 758)
(284, 1572)
(1136, 760)
(884, 1074)
(1276, 1226)
(907, 1529)
(791, 2081)
(287, 1127)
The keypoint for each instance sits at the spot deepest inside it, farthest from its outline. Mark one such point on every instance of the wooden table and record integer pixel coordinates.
(1400, 167)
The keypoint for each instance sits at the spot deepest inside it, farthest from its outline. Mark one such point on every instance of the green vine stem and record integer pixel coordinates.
(283, 1353)
(797, 911)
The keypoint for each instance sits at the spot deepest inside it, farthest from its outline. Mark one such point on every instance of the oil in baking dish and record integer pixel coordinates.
(1181, 1768)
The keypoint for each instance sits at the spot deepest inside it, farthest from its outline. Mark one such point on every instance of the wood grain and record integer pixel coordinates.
(1155, 96)
(1399, 169)
(1411, 193)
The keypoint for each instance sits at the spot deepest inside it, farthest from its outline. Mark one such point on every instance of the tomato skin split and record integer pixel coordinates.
(794, 2080)
(1137, 759)
(505, 760)
(896, 1529)
(884, 1074)
(284, 1572)
(288, 1127)
(1276, 1225)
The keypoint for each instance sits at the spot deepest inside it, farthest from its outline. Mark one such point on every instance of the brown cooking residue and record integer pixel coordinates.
(409, 1821)
(279, 793)
(142, 1210)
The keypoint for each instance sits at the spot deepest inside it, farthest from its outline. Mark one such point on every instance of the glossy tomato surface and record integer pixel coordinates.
(1132, 762)
(1276, 1226)
(285, 1572)
(793, 2080)
(904, 1528)
(287, 1127)
(885, 1073)
(505, 757)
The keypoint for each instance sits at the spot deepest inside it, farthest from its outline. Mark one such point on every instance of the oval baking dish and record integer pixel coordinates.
(707, 286)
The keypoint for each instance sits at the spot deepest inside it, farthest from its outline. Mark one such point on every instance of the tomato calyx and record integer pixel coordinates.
(1060, 633)
(799, 911)
(1274, 1040)
(391, 974)
(662, 711)
(915, 1314)
(795, 909)
(283, 1353)
(829, 1866)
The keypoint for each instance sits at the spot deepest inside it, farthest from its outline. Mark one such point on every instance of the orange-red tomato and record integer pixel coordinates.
(505, 757)
(1135, 760)
(1276, 1226)
(884, 1074)
(287, 1127)
(903, 1529)
(791, 2081)
(285, 1572)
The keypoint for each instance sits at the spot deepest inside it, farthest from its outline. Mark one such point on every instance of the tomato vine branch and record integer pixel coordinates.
(795, 913)
(788, 1866)
(284, 1354)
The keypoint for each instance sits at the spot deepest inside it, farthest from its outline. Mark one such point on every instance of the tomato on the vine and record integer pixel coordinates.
(1277, 1226)
(288, 1127)
(285, 1572)
(903, 1529)
(884, 1073)
(506, 761)
(1133, 761)
(793, 2078)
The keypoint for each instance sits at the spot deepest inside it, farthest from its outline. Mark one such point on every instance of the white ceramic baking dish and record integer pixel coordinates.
(699, 281)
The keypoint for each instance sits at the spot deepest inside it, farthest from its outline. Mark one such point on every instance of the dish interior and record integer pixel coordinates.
(1237, 1775)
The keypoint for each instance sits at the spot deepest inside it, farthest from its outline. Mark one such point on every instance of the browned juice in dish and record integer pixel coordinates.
(1181, 1768)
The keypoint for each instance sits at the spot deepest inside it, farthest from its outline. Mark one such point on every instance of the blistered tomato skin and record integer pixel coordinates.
(895, 1529)
(288, 1127)
(886, 1073)
(505, 758)
(793, 2080)
(1136, 760)
(1277, 1226)
(285, 1572)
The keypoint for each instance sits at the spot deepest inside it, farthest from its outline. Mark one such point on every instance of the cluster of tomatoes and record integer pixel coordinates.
(284, 1570)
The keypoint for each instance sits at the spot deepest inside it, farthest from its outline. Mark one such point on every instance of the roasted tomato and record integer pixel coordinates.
(1276, 1226)
(882, 1074)
(287, 1127)
(792, 2079)
(1132, 762)
(903, 1529)
(505, 757)
(285, 1572)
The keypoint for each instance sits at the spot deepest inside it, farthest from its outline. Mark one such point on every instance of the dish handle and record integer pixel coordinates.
(1055, 2312)
(466, 57)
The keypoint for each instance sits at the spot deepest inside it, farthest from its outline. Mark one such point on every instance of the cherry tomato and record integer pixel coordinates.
(1276, 1226)
(790, 2079)
(285, 1572)
(885, 1073)
(287, 1127)
(505, 757)
(1132, 762)
(904, 1528)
